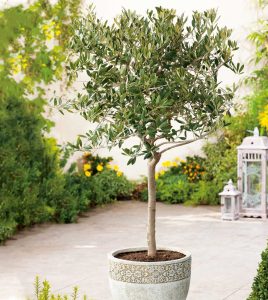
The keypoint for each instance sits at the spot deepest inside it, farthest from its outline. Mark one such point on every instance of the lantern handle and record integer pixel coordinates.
(256, 132)
(229, 182)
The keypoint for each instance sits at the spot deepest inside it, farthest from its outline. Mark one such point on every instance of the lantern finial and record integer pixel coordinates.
(229, 189)
(256, 132)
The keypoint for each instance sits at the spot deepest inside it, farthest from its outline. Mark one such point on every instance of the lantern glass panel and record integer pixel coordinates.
(237, 204)
(228, 205)
(252, 184)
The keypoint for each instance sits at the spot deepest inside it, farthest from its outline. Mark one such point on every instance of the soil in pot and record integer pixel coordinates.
(161, 255)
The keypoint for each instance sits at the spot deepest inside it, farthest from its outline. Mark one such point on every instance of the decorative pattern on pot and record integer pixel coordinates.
(150, 274)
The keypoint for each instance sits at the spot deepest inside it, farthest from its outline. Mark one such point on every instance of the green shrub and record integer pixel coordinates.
(27, 161)
(43, 292)
(79, 192)
(59, 198)
(7, 229)
(34, 188)
(260, 284)
(176, 180)
(173, 188)
(107, 186)
(144, 194)
(220, 163)
(79, 187)
(205, 193)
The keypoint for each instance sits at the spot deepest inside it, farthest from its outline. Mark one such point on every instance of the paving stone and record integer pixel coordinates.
(225, 254)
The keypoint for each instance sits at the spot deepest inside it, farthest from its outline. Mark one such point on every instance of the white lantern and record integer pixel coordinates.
(230, 202)
(252, 175)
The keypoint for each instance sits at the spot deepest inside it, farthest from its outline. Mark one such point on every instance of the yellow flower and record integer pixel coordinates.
(116, 168)
(108, 166)
(45, 27)
(166, 164)
(263, 117)
(177, 158)
(174, 164)
(156, 176)
(49, 36)
(87, 167)
(88, 173)
(16, 69)
(119, 173)
(197, 167)
(162, 172)
(57, 32)
(99, 167)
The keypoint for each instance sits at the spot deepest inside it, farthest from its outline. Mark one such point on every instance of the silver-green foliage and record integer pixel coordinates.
(154, 77)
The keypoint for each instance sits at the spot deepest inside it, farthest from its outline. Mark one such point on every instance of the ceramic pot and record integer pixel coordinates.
(166, 280)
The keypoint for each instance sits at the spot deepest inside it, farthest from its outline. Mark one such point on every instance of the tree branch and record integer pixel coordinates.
(166, 143)
(184, 143)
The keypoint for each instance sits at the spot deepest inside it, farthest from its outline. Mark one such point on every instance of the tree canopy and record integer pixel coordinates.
(154, 77)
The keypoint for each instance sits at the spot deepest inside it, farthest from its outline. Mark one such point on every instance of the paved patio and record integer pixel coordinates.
(225, 254)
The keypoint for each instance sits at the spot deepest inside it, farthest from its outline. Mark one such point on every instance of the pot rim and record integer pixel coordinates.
(111, 256)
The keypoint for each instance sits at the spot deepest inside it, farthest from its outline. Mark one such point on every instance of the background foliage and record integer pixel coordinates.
(29, 60)
(34, 187)
(260, 284)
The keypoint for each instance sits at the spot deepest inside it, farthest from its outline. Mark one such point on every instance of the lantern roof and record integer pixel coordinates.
(229, 190)
(254, 142)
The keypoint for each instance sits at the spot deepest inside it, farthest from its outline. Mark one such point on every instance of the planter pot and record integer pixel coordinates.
(164, 280)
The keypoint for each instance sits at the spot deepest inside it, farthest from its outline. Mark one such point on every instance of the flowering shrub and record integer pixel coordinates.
(177, 180)
(94, 164)
(91, 165)
(193, 168)
(263, 118)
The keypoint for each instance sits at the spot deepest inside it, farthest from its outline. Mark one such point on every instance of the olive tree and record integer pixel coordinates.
(154, 77)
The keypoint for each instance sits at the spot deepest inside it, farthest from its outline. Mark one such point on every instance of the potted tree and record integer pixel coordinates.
(152, 77)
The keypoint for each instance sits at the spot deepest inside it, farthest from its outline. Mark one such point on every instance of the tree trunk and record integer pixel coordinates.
(152, 206)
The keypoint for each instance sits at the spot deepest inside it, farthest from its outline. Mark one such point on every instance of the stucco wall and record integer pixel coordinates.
(240, 15)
